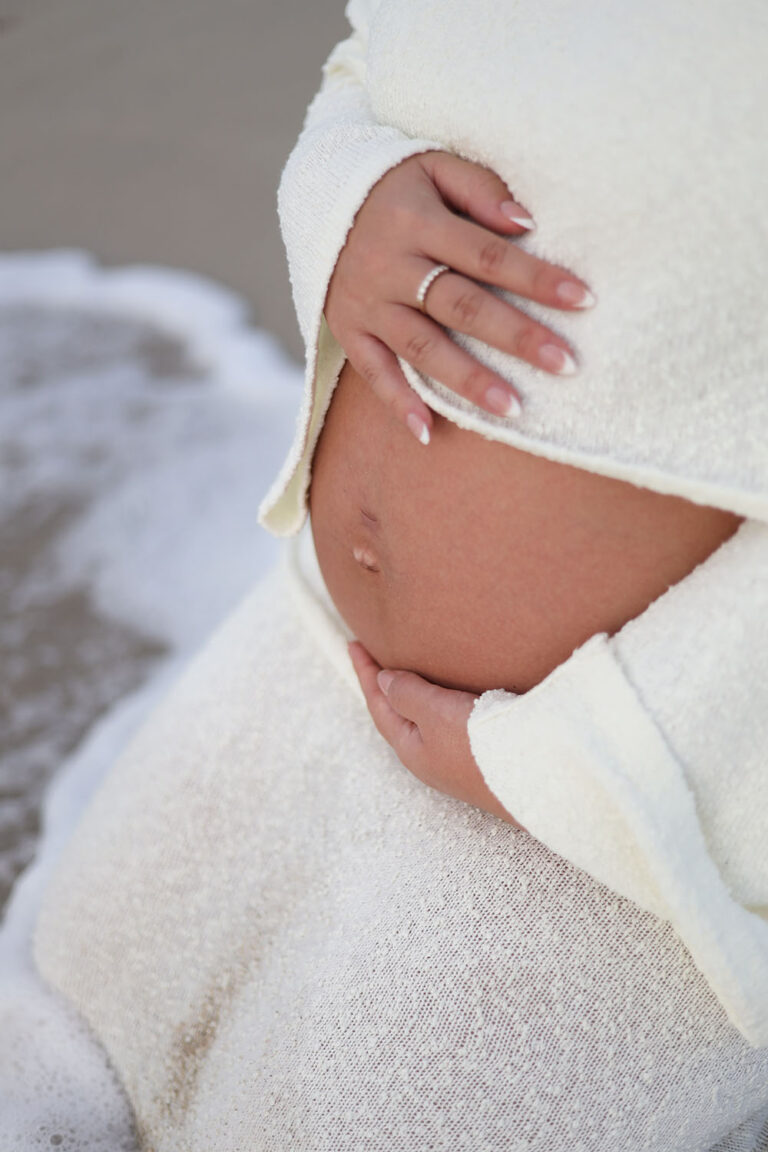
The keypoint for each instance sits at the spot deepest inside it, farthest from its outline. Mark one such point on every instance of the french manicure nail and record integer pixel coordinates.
(502, 401)
(556, 359)
(516, 215)
(418, 427)
(574, 294)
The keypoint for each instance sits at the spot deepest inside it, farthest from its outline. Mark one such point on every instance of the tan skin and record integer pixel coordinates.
(475, 566)
(438, 208)
(464, 564)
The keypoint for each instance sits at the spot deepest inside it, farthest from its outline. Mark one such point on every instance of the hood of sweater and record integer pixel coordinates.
(635, 137)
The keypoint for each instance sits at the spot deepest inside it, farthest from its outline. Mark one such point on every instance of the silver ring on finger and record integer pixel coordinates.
(431, 276)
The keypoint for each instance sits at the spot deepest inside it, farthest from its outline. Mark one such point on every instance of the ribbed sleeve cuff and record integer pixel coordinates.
(580, 763)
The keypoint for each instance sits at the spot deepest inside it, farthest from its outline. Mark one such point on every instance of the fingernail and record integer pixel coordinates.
(574, 294)
(556, 359)
(385, 679)
(502, 401)
(418, 427)
(516, 215)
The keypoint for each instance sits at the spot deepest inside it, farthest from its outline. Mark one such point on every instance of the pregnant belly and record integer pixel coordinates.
(478, 565)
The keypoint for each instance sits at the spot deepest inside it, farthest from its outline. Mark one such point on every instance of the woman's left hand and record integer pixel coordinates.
(426, 725)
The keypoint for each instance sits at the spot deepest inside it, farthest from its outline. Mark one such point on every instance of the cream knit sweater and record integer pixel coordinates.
(282, 939)
(643, 758)
(636, 136)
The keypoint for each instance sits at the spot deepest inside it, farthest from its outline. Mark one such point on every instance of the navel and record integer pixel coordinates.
(366, 558)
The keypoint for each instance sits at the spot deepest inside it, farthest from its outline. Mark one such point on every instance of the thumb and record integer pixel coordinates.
(478, 192)
(408, 693)
(423, 702)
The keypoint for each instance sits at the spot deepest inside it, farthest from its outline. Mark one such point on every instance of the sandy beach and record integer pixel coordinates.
(143, 412)
(142, 134)
(156, 132)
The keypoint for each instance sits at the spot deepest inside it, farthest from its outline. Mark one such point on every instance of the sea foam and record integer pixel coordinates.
(141, 406)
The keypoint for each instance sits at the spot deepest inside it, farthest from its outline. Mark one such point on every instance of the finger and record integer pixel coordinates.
(467, 247)
(378, 366)
(432, 708)
(425, 345)
(477, 191)
(413, 697)
(466, 306)
(401, 733)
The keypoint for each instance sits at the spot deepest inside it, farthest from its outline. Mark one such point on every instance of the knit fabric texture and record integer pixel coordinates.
(635, 135)
(586, 112)
(642, 758)
(281, 937)
(284, 940)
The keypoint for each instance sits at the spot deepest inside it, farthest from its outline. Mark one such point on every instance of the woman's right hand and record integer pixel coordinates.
(408, 223)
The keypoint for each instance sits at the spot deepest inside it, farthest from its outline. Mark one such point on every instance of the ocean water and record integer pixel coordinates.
(142, 418)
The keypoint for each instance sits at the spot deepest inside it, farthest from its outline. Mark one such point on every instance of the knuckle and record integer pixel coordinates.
(397, 690)
(525, 342)
(484, 180)
(419, 347)
(370, 372)
(466, 308)
(436, 700)
(406, 218)
(381, 717)
(543, 279)
(475, 384)
(400, 219)
(492, 255)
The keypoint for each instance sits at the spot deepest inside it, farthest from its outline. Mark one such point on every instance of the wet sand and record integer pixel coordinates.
(130, 474)
(64, 662)
(143, 133)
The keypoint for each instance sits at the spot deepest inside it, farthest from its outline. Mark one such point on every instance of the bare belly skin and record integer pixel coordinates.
(478, 565)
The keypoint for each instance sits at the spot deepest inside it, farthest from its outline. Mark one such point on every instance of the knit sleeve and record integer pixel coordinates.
(341, 152)
(643, 759)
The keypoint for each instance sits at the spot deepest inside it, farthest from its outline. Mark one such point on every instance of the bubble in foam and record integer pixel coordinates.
(139, 395)
(55, 1078)
(58, 1088)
